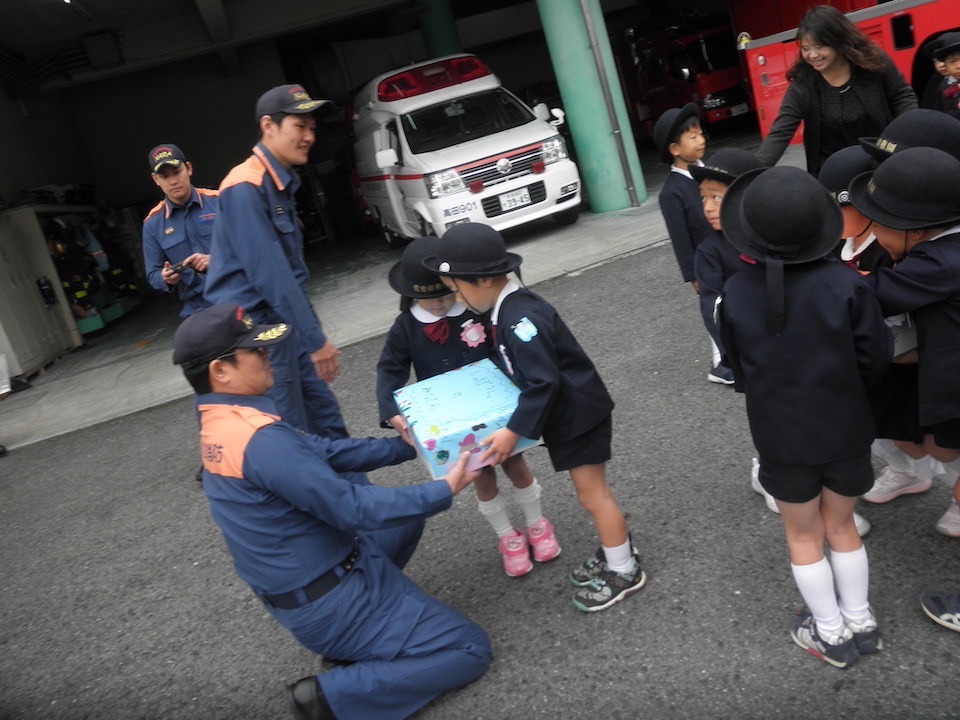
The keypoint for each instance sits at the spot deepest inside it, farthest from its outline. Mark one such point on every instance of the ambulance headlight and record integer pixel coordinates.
(554, 149)
(443, 183)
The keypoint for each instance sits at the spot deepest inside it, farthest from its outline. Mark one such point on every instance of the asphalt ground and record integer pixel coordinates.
(119, 599)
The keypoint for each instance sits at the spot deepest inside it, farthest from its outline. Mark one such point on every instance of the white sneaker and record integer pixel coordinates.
(949, 523)
(755, 484)
(892, 484)
(863, 525)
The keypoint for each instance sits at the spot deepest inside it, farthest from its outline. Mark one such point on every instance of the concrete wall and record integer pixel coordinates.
(189, 103)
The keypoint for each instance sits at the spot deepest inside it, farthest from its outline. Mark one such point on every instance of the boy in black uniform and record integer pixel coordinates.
(562, 398)
(805, 338)
(948, 52)
(679, 138)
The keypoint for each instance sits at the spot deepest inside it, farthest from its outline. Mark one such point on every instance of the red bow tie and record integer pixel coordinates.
(952, 90)
(438, 332)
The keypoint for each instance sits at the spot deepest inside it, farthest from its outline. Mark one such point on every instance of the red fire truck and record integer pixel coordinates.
(903, 28)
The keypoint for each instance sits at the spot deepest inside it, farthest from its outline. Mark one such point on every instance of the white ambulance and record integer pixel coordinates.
(442, 142)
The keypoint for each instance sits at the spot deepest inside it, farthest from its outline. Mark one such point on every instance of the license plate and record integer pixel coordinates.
(514, 199)
(738, 109)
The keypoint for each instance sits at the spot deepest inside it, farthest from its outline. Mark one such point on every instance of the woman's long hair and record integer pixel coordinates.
(829, 27)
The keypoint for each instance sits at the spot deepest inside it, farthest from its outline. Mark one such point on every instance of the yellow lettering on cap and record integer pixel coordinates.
(301, 95)
(247, 321)
(871, 186)
(163, 154)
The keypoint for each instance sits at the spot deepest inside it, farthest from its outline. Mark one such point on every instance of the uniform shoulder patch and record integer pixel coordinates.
(525, 330)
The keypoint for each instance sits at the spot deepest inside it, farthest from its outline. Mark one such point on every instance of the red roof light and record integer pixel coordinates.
(428, 78)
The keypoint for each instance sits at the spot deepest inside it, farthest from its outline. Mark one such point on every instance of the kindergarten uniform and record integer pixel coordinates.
(806, 387)
(925, 283)
(432, 345)
(682, 210)
(290, 518)
(561, 394)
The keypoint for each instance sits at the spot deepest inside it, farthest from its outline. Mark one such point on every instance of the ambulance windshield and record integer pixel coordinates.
(464, 118)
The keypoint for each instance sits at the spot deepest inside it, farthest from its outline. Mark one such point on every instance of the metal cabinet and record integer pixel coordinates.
(33, 332)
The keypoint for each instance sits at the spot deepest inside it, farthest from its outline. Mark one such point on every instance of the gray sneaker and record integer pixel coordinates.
(840, 654)
(609, 588)
(592, 566)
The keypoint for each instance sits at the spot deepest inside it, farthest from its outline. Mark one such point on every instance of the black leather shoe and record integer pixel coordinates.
(307, 700)
(199, 476)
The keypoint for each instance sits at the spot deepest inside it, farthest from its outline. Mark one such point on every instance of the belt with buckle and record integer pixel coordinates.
(316, 589)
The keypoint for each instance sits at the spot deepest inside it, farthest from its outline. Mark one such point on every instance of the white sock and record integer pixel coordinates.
(495, 511)
(619, 558)
(528, 499)
(714, 352)
(851, 572)
(899, 461)
(815, 583)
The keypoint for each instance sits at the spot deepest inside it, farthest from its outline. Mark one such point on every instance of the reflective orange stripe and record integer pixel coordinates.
(225, 432)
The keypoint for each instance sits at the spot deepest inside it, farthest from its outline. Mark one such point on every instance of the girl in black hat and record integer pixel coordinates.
(434, 333)
(805, 338)
(913, 201)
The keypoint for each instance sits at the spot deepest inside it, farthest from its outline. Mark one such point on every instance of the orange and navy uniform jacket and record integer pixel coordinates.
(257, 257)
(173, 233)
(280, 497)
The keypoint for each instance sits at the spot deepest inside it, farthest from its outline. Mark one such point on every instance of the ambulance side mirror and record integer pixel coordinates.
(387, 158)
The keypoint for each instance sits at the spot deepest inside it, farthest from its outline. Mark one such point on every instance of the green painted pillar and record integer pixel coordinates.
(438, 29)
(606, 150)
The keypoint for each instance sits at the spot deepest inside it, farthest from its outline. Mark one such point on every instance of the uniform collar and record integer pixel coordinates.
(169, 207)
(423, 316)
(258, 402)
(685, 173)
(510, 287)
(278, 173)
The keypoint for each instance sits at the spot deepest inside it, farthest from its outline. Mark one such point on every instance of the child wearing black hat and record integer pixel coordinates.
(912, 199)
(436, 334)
(562, 398)
(805, 338)
(679, 138)
(947, 51)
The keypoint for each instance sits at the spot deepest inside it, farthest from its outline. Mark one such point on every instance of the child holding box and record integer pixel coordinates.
(436, 334)
(562, 398)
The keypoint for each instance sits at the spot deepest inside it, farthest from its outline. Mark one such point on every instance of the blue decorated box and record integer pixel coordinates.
(451, 413)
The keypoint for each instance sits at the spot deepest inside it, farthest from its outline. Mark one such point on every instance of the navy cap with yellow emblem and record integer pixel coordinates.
(166, 154)
(288, 99)
(216, 331)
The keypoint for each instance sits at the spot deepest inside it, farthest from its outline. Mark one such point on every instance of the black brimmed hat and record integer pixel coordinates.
(947, 44)
(410, 278)
(216, 330)
(913, 190)
(667, 127)
(916, 128)
(782, 213)
(472, 250)
(780, 216)
(841, 168)
(726, 165)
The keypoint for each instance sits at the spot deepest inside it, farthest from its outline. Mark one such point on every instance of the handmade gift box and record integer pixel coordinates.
(451, 413)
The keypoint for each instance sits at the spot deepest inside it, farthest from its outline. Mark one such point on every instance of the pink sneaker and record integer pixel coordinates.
(516, 554)
(543, 541)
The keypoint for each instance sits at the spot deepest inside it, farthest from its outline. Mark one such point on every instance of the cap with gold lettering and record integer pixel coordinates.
(166, 154)
(289, 99)
(216, 331)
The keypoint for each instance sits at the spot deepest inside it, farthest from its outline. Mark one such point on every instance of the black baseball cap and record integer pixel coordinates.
(166, 154)
(288, 99)
(216, 330)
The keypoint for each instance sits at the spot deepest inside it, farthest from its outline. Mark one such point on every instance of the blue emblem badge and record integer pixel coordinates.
(525, 330)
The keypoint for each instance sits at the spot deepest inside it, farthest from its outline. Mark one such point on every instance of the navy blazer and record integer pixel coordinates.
(806, 388)
(682, 209)
(561, 393)
(926, 283)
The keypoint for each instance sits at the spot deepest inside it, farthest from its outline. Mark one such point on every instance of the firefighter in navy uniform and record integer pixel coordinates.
(178, 230)
(318, 544)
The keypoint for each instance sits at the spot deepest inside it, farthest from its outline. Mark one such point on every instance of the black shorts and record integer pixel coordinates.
(591, 448)
(802, 483)
(946, 434)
